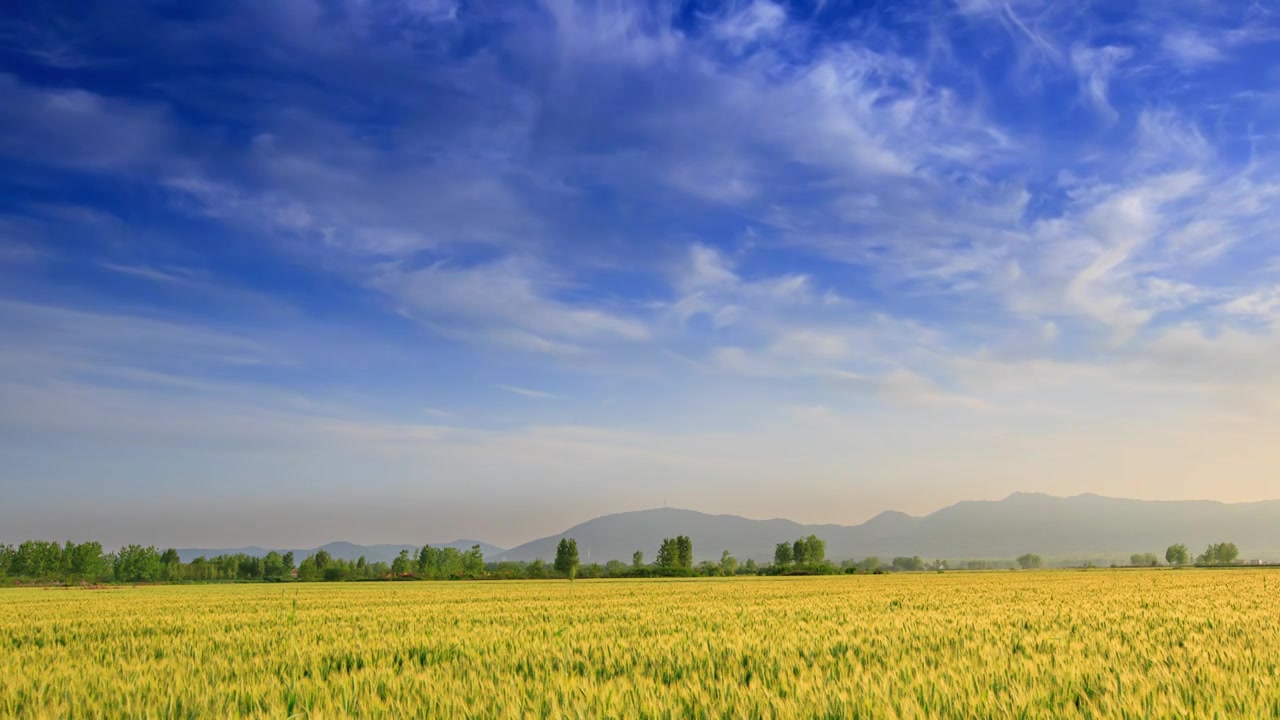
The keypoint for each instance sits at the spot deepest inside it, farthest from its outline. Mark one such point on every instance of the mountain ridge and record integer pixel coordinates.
(1085, 525)
(1081, 525)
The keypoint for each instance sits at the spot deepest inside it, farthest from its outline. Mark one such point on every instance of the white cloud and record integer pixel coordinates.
(759, 19)
(526, 392)
(1263, 303)
(1190, 48)
(81, 129)
(1095, 66)
(507, 302)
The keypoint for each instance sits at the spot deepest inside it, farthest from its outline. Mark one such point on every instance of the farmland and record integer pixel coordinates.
(1137, 643)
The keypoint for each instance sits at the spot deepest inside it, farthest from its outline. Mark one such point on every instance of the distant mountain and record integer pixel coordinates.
(1083, 526)
(342, 550)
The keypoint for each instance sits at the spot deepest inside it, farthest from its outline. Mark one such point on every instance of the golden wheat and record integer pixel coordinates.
(1137, 644)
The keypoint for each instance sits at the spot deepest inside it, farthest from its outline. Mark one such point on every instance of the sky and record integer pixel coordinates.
(411, 270)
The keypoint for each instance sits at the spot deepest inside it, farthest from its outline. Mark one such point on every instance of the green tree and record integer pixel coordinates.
(750, 567)
(322, 559)
(870, 564)
(637, 560)
(135, 563)
(200, 569)
(810, 551)
(402, 565)
(472, 562)
(288, 563)
(667, 554)
(1029, 561)
(536, 570)
(567, 557)
(684, 552)
(173, 569)
(782, 554)
(728, 563)
(908, 563)
(86, 561)
(308, 571)
(1144, 560)
(38, 559)
(1177, 555)
(1219, 554)
(427, 562)
(615, 568)
(800, 552)
(450, 563)
(273, 566)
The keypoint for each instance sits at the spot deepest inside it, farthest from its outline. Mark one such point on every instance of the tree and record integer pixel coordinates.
(450, 563)
(908, 563)
(870, 564)
(1219, 554)
(567, 557)
(684, 552)
(637, 560)
(728, 563)
(288, 563)
(38, 559)
(322, 559)
(1144, 560)
(85, 561)
(307, 570)
(536, 570)
(135, 563)
(750, 567)
(402, 565)
(200, 569)
(473, 561)
(782, 554)
(815, 550)
(1177, 555)
(669, 553)
(800, 552)
(427, 562)
(1029, 561)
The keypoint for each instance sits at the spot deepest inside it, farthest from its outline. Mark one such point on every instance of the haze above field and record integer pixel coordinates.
(1080, 528)
(391, 271)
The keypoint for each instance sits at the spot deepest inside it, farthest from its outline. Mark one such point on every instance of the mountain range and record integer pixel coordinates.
(1080, 527)
(1083, 526)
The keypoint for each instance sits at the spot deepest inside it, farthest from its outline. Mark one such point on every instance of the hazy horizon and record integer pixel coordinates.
(283, 274)
(251, 526)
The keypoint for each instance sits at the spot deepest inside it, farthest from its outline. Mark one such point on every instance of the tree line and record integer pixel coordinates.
(52, 562)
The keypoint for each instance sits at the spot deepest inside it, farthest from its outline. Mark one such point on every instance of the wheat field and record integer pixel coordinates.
(1134, 644)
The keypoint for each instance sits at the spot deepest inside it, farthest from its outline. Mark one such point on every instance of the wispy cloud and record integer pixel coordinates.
(526, 392)
(1095, 66)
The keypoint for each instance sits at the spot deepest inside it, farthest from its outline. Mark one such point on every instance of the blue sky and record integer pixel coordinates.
(288, 272)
